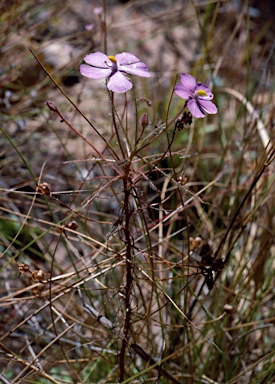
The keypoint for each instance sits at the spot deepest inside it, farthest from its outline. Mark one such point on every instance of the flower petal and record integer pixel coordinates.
(195, 109)
(208, 107)
(131, 64)
(205, 88)
(94, 73)
(118, 83)
(126, 58)
(188, 81)
(98, 59)
(138, 69)
(183, 92)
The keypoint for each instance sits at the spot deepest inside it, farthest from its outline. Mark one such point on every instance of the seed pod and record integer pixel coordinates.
(38, 289)
(195, 242)
(228, 308)
(72, 225)
(182, 180)
(182, 120)
(44, 189)
(23, 268)
(38, 275)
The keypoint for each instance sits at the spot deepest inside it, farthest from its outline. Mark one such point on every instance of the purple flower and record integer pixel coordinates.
(197, 95)
(113, 67)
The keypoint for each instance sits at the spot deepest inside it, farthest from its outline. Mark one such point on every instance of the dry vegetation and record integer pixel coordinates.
(147, 262)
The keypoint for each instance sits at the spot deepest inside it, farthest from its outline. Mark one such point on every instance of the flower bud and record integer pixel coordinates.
(144, 121)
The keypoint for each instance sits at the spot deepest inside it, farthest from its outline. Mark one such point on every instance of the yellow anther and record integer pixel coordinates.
(113, 59)
(201, 92)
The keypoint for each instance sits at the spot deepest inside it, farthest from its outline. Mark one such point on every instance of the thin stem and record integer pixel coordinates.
(127, 186)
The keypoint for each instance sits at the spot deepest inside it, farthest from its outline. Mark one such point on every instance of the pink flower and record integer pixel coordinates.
(102, 66)
(89, 27)
(98, 10)
(197, 95)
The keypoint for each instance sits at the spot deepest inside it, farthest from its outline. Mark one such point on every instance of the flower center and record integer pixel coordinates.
(113, 59)
(114, 64)
(201, 92)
